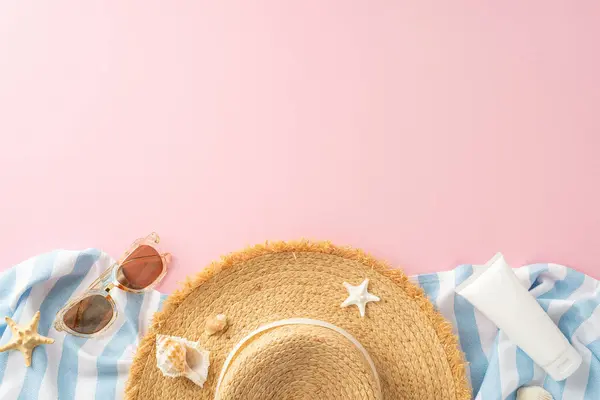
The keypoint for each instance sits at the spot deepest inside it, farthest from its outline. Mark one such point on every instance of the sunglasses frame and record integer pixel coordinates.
(107, 281)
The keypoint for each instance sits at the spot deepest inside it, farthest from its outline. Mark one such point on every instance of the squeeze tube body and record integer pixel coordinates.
(499, 295)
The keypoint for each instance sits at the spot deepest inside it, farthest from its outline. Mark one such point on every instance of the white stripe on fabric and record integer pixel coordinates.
(487, 332)
(442, 275)
(490, 386)
(149, 307)
(548, 279)
(87, 374)
(589, 330)
(579, 379)
(539, 375)
(123, 366)
(557, 271)
(507, 358)
(445, 299)
(558, 307)
(22, 278)
(25, 275)
(487, 329)
(48, 265)
(120, 299)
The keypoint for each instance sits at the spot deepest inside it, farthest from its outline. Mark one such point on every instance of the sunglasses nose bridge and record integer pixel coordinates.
(109, 287)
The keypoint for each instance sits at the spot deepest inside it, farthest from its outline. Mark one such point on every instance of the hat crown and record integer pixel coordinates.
(299, 361)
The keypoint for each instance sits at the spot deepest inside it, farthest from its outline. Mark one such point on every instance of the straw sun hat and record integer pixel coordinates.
(295, 331)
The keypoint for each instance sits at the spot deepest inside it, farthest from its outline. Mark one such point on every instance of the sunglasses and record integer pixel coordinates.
(139, 270)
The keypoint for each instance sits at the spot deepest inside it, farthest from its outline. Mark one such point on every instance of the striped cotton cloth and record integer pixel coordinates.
(497, 367)
(77, 368)
(72, 367)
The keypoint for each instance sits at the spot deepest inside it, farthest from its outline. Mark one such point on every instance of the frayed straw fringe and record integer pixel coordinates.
(442, 327)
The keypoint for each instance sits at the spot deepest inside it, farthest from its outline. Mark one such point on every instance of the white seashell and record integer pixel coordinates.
(533, 393)
(215, 324)
(176, 357)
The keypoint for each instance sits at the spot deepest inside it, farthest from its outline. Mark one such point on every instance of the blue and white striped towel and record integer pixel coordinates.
(77, 368)
(72, 367)
(497, 366)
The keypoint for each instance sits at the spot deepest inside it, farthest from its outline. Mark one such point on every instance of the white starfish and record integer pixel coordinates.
(359, 296)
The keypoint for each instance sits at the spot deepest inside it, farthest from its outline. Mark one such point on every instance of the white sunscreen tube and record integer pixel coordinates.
(500, 296)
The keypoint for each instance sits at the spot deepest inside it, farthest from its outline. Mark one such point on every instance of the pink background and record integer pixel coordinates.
(428, 133)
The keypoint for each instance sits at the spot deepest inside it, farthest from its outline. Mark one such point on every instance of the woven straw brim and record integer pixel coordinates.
(413, 348)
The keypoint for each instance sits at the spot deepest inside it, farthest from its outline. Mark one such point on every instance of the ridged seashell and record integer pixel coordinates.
(215, 324)
(176, 357)
(533, 393)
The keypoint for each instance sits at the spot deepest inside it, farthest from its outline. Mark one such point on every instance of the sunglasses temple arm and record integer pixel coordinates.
(103, 278)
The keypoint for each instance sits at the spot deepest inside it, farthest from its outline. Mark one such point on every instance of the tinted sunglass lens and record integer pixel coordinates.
(90, 315)
(141, 269)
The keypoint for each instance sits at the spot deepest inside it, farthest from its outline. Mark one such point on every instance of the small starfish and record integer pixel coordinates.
(359, 296)
(25, 338)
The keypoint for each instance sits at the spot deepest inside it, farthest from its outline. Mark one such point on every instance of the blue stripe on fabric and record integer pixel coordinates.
(592, 391)
(163, 297)
(556, 389)
(68, 367)
(56, 298)
(430, 283)
(534, 273)
(8, 280)
(106, 386)
(524, 367)
(576, 315)
(4, 356)
(491, 388)
(42, 271)
(562, 289)
(468, 333)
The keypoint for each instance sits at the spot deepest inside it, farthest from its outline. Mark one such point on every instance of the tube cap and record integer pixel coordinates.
(565, 365)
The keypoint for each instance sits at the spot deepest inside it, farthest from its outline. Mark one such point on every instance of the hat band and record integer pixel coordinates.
(298, 321)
